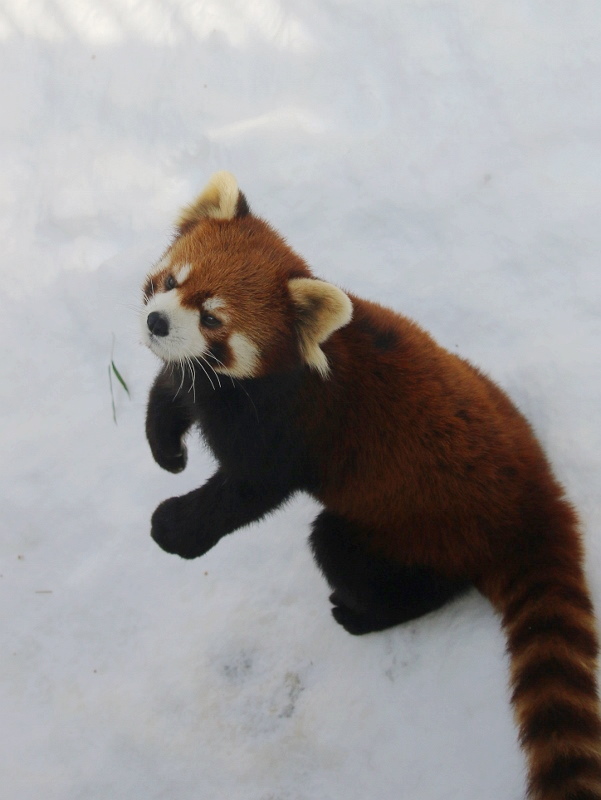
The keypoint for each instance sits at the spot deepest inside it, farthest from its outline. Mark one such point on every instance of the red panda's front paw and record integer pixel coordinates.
(176, 529)
(351, 621)
(173, 460)
(356, 622)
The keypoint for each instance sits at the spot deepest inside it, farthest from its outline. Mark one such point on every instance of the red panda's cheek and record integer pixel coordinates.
(243, 357)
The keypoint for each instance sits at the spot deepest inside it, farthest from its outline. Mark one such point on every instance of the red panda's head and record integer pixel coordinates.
(230, 292)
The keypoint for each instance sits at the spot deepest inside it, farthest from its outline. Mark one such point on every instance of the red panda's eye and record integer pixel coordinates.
(170, 283)
(209, 321)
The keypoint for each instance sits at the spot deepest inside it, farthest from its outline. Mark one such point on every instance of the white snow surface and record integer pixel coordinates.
(440, 156)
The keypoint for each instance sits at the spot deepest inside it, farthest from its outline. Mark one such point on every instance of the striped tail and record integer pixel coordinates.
(552, 642)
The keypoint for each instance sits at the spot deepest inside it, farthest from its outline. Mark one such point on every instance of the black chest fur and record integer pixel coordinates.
(253, 430)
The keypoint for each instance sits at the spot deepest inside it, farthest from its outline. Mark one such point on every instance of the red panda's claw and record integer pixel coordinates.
(173, 463)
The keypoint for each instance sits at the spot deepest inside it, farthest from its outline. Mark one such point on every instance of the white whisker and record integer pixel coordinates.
(131, 306)
(210, 366)
(181, 366)
(205, 372)
(192, 378)
(221, 364)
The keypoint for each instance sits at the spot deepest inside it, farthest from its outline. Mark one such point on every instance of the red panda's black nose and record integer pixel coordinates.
(158, 323)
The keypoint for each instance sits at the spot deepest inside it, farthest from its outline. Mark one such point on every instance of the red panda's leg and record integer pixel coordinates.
(191, 524)
(168, 417)
(372, 593)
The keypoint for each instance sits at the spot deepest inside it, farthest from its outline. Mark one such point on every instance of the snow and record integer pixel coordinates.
(441, 157)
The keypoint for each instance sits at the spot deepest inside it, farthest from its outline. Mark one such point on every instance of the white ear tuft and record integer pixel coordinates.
(321, 310)
(220, 199)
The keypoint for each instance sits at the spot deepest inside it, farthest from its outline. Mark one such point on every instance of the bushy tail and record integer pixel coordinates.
(553, 646)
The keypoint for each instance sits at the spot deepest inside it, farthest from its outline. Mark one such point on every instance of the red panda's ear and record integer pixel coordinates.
(220, 199)
(321, 310)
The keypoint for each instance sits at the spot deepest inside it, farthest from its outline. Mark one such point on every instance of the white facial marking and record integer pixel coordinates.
(246, 357)
(183, 273)
(213, 303)
(183, 339)
(216, 304)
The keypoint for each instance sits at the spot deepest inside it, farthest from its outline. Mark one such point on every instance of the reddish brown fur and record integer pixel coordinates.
(418, 449)
(459, 483)
(247, 264)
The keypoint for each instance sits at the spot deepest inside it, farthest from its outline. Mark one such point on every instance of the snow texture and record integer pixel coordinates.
(440, 156)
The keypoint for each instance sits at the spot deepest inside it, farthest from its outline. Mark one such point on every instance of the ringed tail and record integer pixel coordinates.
(553, 647)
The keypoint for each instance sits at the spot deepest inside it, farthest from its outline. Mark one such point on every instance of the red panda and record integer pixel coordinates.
(430, 480)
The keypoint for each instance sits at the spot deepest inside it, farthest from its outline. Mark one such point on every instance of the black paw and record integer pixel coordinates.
(175, 527)
(336, 599)
(353, 622)
(359, 622)
(172, 459)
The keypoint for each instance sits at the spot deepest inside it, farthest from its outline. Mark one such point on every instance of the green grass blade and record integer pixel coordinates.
(120, 378)
(112, 397)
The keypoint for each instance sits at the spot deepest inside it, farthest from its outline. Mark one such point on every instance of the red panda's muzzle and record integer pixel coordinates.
(158, 324)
